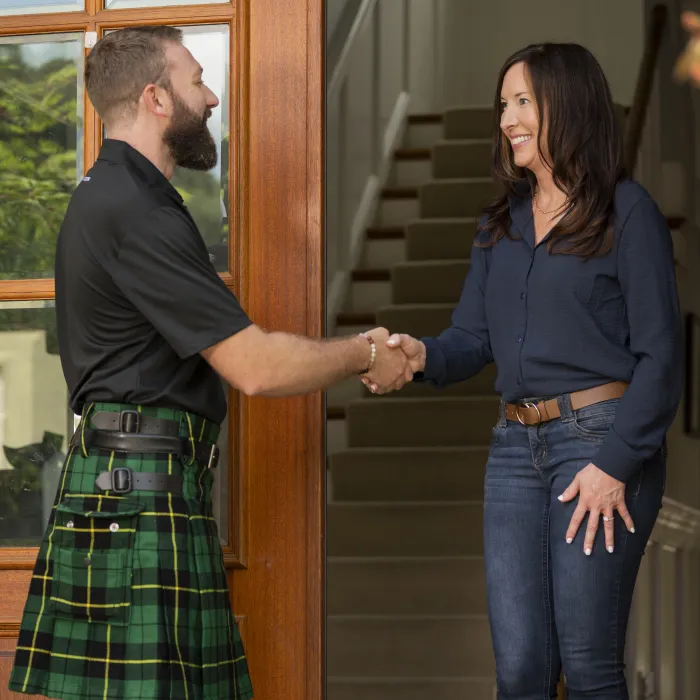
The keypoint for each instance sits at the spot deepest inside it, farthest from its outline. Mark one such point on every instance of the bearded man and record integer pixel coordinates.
(129, 594)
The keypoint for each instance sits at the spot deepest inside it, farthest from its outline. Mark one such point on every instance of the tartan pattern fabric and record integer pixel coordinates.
(129, 598)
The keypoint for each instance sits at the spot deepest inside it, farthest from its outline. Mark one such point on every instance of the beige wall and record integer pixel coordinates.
(477, 36)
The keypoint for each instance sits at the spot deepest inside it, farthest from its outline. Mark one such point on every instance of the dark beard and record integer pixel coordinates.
(189, 139)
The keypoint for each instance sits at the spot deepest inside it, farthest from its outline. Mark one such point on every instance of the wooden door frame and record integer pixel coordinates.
(280, 595)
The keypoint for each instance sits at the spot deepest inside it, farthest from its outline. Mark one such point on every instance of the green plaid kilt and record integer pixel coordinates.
(129, 597)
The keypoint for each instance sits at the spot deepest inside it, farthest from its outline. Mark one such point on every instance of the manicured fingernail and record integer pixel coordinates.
(569, 540)
(560, 498)
(632, 530)
(611, 549)
(588, 552)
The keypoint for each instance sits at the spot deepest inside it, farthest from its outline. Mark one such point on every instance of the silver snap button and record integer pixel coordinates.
(114, 527)
(70, 524)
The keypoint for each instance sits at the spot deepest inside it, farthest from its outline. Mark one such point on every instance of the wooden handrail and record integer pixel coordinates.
(645, 81)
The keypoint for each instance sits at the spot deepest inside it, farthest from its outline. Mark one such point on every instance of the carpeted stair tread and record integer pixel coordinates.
(428, 281)
(440, 238)
(406, 586)
(408, 474)
(469, 123)
(462, 158)
(409, 647)
(411, 689)
(457, 197)
(394, 422)
(439, 529)
(416, 319)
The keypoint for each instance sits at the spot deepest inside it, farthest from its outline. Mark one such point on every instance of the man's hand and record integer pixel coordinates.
(414, 353)
(391, 369)
(688, 65)
(601, 494)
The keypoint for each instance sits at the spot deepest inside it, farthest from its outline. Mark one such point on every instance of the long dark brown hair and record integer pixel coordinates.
(584, 148)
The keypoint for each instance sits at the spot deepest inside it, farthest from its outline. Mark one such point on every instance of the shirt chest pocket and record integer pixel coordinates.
(92, 558)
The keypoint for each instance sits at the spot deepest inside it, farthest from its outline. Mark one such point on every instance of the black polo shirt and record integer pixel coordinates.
(137, 298)
(554, 324)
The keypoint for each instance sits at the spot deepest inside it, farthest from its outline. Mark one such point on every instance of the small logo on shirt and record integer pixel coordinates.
(86, 178)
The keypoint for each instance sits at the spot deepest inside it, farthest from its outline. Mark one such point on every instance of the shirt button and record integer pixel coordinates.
(522, 295)
(520, 339)
(114, 527)
(519, 382)
(69, 524)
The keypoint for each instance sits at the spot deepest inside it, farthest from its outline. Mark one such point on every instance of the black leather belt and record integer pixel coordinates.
(131, 421)
(138, 433)
(122, 480)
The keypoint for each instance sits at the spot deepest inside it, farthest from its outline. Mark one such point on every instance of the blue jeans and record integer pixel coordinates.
(550, 605)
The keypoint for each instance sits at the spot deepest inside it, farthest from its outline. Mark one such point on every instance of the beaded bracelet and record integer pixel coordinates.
(373, 352)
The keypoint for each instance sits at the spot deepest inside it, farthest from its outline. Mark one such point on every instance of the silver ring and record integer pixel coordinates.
(607, 519)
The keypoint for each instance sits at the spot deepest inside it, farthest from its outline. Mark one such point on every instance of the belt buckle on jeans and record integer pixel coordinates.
(527, 405)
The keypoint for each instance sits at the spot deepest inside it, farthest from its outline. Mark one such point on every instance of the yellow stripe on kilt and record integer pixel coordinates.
(140, 662)
(89, 605)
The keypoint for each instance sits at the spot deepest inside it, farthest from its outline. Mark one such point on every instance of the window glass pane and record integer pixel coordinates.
(35, 423)
(41, 147)
(28, 7)
(118, 4)
(205, 194)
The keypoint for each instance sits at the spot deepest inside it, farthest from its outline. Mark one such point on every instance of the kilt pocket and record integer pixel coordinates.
(93, 558)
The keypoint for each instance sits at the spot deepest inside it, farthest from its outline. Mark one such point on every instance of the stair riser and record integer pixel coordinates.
(336, 436)
(416, 321)
(455, 198)
(429, 283)
(415, 478)
(418, 648)
(469, 123)
(461, 160)
(353, 390)
(412, 690)
(368, 296)
(449, 530)
(403, 423)
(422, 135)
(407, 587)
(411, 173)
(383, 253)
(439, 241)
(397, 212)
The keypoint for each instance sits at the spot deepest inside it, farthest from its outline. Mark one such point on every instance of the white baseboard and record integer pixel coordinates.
(339, 286)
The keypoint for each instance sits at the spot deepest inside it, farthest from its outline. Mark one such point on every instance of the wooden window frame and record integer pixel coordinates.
(94, 18)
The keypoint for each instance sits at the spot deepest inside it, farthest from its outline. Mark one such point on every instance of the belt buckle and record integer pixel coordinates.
(213, 456)
(129, 421)
(122, 489)
(527, 405)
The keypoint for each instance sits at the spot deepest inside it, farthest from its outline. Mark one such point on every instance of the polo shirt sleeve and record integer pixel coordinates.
(464, 349)
(648, 407)
(162, 267)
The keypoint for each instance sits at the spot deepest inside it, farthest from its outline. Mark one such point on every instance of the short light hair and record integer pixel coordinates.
(122, 63)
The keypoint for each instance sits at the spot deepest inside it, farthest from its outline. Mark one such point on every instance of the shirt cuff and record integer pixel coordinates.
(616, 458)
(434, 362)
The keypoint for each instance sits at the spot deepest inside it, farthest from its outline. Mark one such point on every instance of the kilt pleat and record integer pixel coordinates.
(129, 596)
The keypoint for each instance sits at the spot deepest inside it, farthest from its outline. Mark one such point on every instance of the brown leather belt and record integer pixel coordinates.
(543, 411)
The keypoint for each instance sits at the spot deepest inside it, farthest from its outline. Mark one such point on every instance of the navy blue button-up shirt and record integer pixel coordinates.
(557, 323)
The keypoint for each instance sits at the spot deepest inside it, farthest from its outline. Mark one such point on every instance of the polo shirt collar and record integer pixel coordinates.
(120, 152)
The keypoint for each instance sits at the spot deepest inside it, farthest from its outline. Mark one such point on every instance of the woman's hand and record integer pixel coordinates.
(601, 494)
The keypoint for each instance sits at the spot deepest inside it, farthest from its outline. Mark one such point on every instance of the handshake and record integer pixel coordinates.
(399, 357)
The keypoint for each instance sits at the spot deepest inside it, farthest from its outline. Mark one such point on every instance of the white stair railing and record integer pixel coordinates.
(387, 51)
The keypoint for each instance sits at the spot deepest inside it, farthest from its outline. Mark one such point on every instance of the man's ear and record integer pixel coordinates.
(156, 100)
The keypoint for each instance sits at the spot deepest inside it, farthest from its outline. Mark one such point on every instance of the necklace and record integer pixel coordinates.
(546, 213)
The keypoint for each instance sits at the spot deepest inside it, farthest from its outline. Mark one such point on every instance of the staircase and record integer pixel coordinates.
(406, 591)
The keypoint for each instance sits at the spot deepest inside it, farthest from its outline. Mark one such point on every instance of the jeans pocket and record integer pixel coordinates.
(92, 559)
(593, 422)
